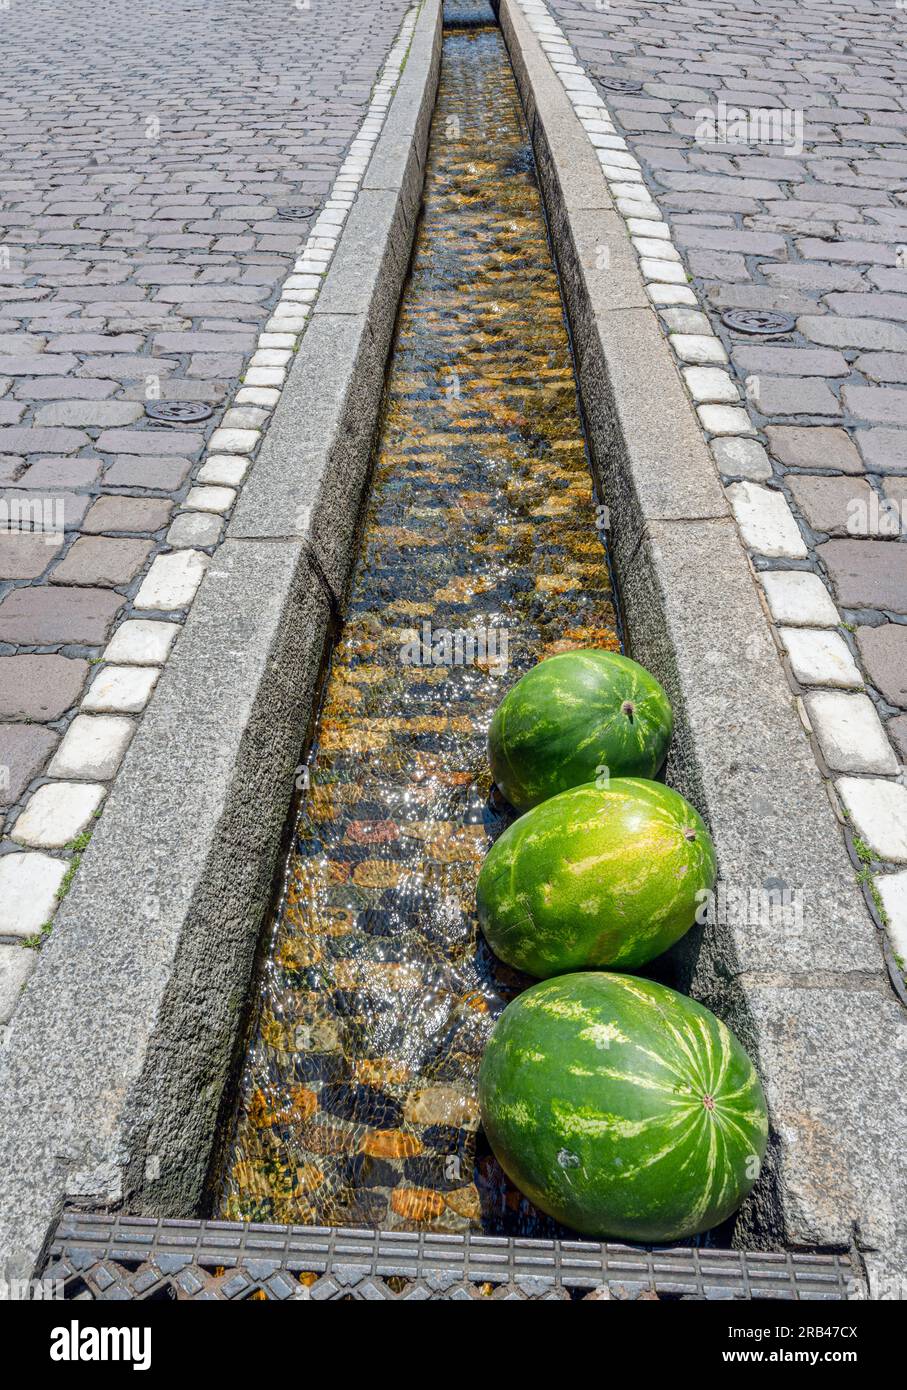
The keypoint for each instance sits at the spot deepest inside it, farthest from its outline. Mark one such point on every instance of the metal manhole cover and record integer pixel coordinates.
(178, 412)
(295, 213)
(763, 322)
(619, 84)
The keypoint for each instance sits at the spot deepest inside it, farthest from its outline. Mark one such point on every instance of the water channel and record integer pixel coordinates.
(481, 554)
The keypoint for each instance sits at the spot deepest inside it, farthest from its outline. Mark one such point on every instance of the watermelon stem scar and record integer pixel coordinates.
(571, 715)
(652, 1140)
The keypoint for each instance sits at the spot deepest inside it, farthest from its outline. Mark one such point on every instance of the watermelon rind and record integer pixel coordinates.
(622, 1109)
(574, 717)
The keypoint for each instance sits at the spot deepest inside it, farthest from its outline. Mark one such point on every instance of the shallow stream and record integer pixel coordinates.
(480, 555)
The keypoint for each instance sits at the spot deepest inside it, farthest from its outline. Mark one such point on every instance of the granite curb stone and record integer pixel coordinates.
(740, 754)
(161, 924)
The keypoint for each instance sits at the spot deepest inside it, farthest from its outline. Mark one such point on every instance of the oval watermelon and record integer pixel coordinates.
(621, 1108)
(573, 715)
(595, 877)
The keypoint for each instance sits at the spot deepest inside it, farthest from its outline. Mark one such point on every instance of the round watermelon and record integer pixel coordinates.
(572, 716)
(596, 877)
(621, 1108)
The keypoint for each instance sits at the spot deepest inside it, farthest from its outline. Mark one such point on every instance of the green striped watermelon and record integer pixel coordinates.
(573, 715)
(606, 876)
(621, 1108)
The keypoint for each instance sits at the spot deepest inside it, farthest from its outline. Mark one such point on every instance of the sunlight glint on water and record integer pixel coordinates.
(358, 1097)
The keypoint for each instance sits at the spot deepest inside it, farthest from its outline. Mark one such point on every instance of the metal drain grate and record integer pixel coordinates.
(102, 1256)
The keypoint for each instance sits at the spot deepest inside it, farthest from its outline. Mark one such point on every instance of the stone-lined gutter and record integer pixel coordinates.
(812, 998)
(115, 1063)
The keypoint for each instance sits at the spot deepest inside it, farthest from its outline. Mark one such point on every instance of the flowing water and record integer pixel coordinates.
(480, 556)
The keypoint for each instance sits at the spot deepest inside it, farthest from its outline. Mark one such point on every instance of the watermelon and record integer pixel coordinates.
(621, 1108)
(572, 716)
(607, 876)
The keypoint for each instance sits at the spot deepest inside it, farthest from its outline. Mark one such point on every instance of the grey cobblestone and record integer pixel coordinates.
(809, 219)
(39, 688)
(24, 748)
(884, 451)
(144, 158)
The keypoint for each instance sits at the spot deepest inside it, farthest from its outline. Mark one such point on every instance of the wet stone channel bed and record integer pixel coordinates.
(480, 555)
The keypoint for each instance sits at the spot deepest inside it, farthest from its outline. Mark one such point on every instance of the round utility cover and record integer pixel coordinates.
(179, 412)
(761, 322)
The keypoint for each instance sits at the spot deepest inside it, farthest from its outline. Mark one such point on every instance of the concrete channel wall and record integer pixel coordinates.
(811, 999)
(113, 1075)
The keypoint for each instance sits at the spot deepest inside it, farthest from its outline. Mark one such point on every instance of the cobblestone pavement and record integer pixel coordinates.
(774, 138)
(159, 170)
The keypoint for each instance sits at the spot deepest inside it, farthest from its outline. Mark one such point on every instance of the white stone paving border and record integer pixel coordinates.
(868, 786)
(88, 757)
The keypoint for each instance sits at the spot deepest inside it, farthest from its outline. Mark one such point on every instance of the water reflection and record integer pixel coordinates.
(480, 556)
